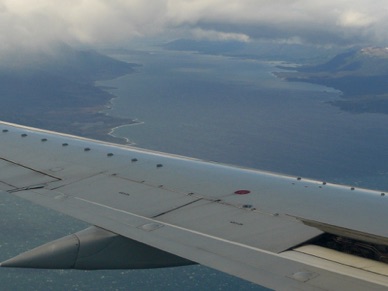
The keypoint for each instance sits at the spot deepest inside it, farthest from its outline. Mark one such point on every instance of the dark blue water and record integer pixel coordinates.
(236, 111)
(216, 108)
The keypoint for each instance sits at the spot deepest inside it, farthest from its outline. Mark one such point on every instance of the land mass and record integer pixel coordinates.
(57, 92)
(254, 50)
(360, 74)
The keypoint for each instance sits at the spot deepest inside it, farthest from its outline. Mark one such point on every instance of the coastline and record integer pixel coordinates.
(286, 73)
(68, 98)
(127, 140)
(359, 79)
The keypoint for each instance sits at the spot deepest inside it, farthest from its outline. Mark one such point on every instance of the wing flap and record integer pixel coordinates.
(136, 197)
(254, 264)
(274, 233)
(18, 176)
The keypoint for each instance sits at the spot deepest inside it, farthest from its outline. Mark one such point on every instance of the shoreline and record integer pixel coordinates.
(68, 98)
(284, 76)
(108, 108)
(128, 142)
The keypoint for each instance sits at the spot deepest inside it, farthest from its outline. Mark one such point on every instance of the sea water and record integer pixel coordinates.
(237, 111)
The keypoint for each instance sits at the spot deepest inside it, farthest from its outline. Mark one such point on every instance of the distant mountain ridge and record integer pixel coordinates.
(256, 50)
(360, 74)
(369, 61)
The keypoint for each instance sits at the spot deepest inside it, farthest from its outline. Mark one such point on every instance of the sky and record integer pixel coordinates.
(40, 23)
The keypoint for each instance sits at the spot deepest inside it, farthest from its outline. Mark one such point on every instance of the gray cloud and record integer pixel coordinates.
(37, 24)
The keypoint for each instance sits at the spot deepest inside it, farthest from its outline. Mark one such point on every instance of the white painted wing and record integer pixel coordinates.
(251, 224)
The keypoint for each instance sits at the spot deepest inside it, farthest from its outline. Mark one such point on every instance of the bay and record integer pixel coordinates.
(236, 111)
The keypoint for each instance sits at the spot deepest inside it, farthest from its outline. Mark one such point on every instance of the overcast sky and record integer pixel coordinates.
(35, 24)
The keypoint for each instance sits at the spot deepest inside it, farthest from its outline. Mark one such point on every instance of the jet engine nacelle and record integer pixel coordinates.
(95, 248)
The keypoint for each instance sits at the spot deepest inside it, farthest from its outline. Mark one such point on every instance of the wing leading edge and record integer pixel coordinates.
(270, 229)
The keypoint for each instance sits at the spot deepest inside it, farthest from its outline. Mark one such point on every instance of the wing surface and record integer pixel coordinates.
(248, 223)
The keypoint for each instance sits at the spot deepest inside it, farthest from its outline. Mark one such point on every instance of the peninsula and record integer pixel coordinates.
(360, 74)
(57, 91)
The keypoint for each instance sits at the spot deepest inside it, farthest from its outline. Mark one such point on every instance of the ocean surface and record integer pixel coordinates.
(216, 108)
(236, 111)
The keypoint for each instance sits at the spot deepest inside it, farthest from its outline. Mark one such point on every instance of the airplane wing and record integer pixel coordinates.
(151, 209)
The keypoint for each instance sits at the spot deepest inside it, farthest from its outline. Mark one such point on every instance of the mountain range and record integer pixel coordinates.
(360, 74)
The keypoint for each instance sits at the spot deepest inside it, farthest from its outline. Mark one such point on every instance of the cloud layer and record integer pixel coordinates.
(36, 24)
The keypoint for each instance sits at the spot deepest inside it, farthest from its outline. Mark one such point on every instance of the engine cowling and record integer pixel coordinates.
(95, 248)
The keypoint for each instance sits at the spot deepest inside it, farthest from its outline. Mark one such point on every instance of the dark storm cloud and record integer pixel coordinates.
(37, 24)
